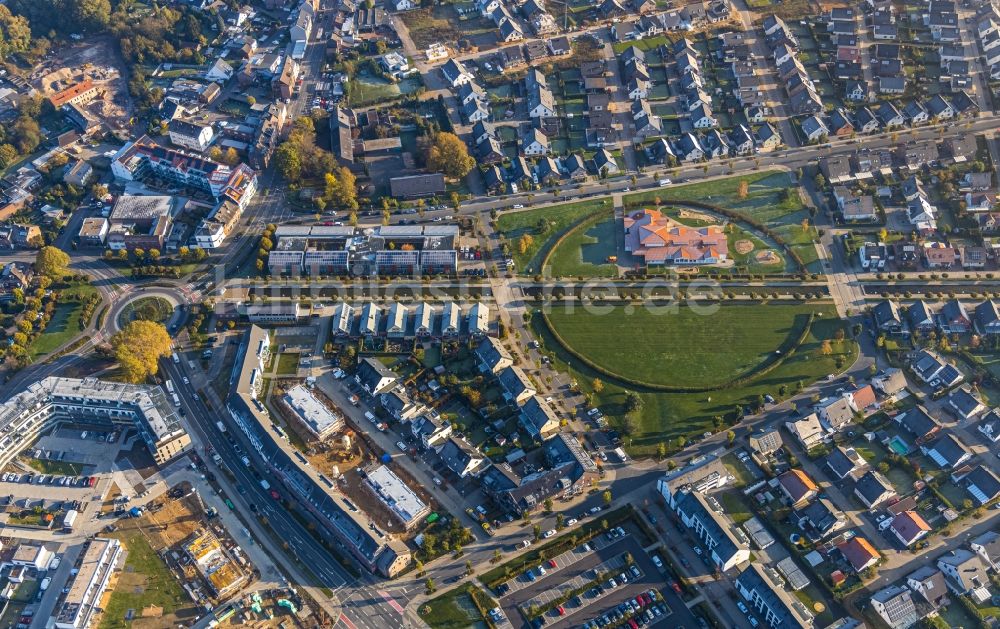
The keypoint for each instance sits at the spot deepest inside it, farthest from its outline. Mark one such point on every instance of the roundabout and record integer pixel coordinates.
(157, 303)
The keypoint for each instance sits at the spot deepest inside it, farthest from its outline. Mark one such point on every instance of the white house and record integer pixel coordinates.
(220, 71)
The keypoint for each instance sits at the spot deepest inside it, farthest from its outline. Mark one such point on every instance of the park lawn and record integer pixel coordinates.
(682, 347)
(156, 585)
(669, 418)
(584, 252)
(64, 324)
(288, 365)
(559, 218)
(453, 610)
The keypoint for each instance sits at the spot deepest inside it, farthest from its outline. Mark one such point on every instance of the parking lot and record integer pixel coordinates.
(606, 602)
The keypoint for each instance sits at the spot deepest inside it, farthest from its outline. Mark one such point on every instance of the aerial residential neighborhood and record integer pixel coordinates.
(491, 313)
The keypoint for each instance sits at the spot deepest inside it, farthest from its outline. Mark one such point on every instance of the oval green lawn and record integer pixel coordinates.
(681, 347)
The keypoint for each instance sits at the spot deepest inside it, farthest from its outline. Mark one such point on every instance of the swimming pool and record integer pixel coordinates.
(899, 446)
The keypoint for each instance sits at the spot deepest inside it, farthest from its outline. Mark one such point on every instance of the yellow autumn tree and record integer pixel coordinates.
(138, 347)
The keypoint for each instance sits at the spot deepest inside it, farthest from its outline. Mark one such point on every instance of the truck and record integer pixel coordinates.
(221, 427)
(69, 519)
(266, 485)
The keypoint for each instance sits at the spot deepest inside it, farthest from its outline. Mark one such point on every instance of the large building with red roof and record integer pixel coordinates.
(658, 240)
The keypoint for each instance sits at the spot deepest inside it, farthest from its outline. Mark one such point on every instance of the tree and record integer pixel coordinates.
(606, 496)
(826, 348)
(15, 33)
(450, 156)
(661, 450)
(560, 521)
(497, 556)
(429, 585)
(51, 262)
(288, 161)
(468, 568)
(138, 348)
(743, 189)
(537, 531)
(215, 154)
(633, 403)
(730, 437)
(597, 385)
(548, 504)
(524, 243)
(231, 157)
(8, 154)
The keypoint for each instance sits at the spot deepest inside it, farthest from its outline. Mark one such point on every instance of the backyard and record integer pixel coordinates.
(365, 90)
(670, 417)
(543, 226)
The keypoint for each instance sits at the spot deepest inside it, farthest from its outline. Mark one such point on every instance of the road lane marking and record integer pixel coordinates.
(392, 602)
(347, 621)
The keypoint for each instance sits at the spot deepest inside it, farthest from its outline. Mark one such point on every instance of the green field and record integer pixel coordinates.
(665, 416)
(544, 225)
(144, 581)
(364, 90)
(453, 610)
(763, 203)
(585, 250)
(64, 468)
(288, 365)
(680, 346)
(63, 325)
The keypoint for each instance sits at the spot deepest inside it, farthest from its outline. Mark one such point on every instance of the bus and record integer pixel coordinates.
(229, 503)
(170, 387)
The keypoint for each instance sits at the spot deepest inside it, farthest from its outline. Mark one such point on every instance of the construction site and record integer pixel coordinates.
(79, 67)
(347, 456)
(179, 559)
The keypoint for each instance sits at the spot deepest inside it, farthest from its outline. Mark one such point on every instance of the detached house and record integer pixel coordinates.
(798, 487)
(807, 430)
(909, 528)
(947, 451)
(874, 489)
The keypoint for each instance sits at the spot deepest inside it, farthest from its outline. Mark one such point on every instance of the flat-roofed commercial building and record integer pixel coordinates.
(140, 221)
(87, 586)
(310, 412)
(343, 250)
(378, 551)
(55, 400)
